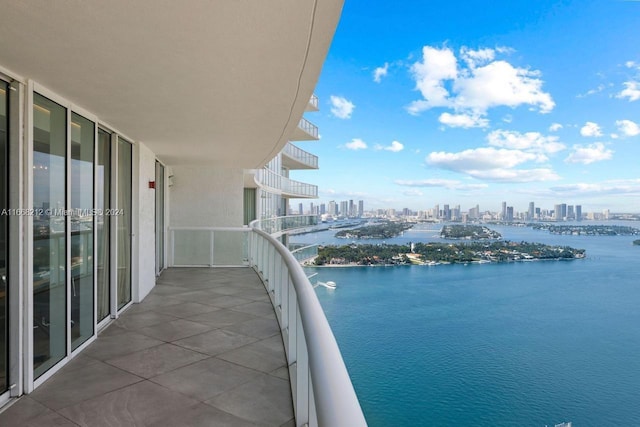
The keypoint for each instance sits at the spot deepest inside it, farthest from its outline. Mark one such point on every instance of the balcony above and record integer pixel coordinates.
(313, 103)
(295, 158)
(286, 186)
(306, 131)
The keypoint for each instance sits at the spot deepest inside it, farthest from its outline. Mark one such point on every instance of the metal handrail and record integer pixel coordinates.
(333, 395)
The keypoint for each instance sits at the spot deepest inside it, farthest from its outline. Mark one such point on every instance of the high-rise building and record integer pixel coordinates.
(360, 208)
(344, 208)
(563, 211)
(570, 214)
(531, 212)
(447, 213)
(504, 211)
(351, 208)
(578, 212)
(509, 213)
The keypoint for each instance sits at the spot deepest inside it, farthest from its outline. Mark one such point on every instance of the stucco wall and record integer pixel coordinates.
(202, 196)
(146, 276)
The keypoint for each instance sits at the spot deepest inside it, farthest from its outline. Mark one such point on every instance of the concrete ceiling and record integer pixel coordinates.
(199, 82)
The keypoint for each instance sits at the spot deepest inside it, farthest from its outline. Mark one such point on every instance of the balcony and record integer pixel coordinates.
(306, 131)
(296, 158)
(313, 103)
(288, 187)
(208, 346)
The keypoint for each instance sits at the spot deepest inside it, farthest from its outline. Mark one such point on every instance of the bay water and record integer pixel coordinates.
(515, 344)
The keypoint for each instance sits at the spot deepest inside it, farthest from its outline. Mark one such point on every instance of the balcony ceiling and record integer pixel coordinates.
(199, 82)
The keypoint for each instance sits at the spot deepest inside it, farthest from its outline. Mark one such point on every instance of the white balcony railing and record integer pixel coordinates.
(308, 127)
(288, 186)
(313, 102)
(301, 156)
(322, 391)
(281, 224)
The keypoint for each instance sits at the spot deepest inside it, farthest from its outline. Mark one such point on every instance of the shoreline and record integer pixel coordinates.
(437, 263)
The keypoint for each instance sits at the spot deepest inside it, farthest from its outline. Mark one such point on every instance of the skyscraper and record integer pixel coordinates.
(360, 208)
(530, 214)
(578, 212)
(504, 210)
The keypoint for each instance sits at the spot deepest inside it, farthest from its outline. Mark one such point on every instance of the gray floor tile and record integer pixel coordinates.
(203, 416)
(23, 411)
(222, 318)
(53, 419)
(156, 360)
(215, 342)
(118, 345)
(227, 301)
(267, 400)
(281, 372)
(259, 355)
(137, 405)
(186, 309)
(142, 320)
(257, 308)
(63, 389)
(175, 330)
(206, 379)
(258, 328)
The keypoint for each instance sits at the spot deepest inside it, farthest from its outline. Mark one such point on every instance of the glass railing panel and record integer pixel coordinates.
(191, 247)
(305, 253)
(230, 248)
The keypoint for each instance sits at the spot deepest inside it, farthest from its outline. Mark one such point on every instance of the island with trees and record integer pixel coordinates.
(636, 242)
(382, 230)
(442, 253)
(469, 232)
(588, 230)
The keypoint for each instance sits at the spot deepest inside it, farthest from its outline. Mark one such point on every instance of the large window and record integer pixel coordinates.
(49, 234)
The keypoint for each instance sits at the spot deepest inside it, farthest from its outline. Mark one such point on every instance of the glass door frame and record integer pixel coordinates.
(14, 246)
(161, 241)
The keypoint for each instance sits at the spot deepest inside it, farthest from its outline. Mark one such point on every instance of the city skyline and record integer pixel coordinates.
(526, 101)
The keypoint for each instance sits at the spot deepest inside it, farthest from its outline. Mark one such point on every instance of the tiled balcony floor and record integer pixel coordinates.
(203, 349)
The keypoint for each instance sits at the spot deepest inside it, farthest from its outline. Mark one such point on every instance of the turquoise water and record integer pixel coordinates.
(520, 344)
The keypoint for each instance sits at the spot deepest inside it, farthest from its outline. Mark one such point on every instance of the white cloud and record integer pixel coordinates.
(590, 129)
(590, 92)
(587, 154)
(605, 188)
(529, 141)
(517, 175)
(463, 120)
(413, 192)
(480, 83)
(628, 128)
(555, 127)
(473, 58)
(437, 65)
(395, 146)
(341, 107)
(450, 184)
(484, 158)
(631, 91)
(356, 144)
(380, 72)
(630, 64)
(489, 163)
(500, 83)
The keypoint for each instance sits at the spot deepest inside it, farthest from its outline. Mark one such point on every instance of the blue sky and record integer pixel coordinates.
(440, 102)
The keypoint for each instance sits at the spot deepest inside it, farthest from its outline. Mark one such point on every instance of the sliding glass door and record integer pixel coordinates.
(4, 253)
(125, 155)
(49, 234)
(103, 224)
(82, 226)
